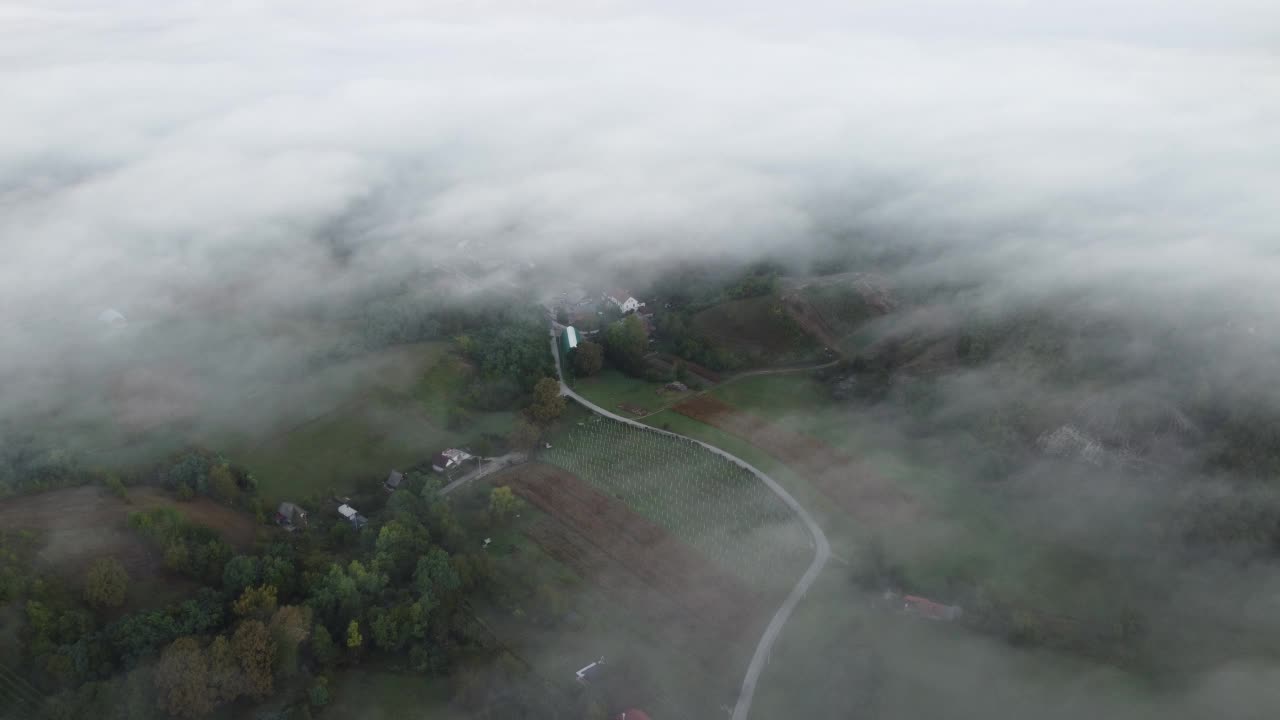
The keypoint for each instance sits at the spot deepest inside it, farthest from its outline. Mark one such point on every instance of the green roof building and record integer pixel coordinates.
(568, 341)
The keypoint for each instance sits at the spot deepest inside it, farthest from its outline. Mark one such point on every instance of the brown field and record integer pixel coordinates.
(79, 525)
(699, 610)
(859, 490)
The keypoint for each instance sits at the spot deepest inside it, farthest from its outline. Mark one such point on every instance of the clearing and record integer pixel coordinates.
(391, 411)
(618, 392)
(79, 525)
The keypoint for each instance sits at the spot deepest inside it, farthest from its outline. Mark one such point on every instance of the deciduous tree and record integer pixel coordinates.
(259, 602)
(524, 435)
(289, 627)
(626, 342)
(255, 651)
(588, 358)
(354, 639)
(106, 583)
(503, 503)
(182, 679)
(548, 404)
(225, 680)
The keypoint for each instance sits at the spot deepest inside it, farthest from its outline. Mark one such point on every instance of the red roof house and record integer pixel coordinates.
(927, 608)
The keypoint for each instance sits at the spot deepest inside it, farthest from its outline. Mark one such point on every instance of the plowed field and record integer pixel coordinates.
(698, 609)
(856, 488)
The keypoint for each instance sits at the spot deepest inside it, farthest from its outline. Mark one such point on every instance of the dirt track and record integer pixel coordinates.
(699, 609)
(84, 523)
(857, 489)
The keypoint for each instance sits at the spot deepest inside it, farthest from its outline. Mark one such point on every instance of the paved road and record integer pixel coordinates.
(821, 548)
(490, 465)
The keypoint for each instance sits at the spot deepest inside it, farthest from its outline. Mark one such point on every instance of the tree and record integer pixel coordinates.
(548, 403)
(323, 648)
(319, 693)
(524, 435)
(398, 545)
(503, 503)
(255, 650)
(588, 358)
(435, 577)
(626, 342)
(259, 602)
(222, 484)
(289, 627)
(225, 681)
(182, 679)
(106, 583)
(240, 572)
(354, 638)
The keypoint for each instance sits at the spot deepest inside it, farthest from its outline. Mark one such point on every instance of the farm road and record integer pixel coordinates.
(491, 465)
(821, 552)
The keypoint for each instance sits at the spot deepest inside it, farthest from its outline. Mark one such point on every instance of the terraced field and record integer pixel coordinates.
(718, 508)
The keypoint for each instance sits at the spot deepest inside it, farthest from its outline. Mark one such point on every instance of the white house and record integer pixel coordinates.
(623, 300)
(449, 459)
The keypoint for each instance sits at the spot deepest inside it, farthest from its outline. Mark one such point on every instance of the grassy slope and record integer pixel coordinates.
(610, 388)
(966, 535)
(394, 415)
(757, 329)
(372, 694)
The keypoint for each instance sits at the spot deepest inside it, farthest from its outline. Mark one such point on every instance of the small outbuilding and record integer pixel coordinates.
(393, 481)
(587, 673)
(290, 516)
(352, 516)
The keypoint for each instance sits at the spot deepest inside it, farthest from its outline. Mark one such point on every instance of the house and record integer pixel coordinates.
(355, 518)
(449, 460)
(290, 516)
(590, 671)
(393, 481)
(623, 300)
(568, 340)
(926, 608)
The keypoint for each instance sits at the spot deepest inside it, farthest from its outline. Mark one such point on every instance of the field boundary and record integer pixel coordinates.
(821, 553)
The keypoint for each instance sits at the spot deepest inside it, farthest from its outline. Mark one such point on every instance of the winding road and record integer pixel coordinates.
(821, 548)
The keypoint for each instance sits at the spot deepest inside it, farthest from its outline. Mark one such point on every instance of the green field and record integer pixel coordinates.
(706, 500)
(371, 694)
(611, 389)
(391, 412)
